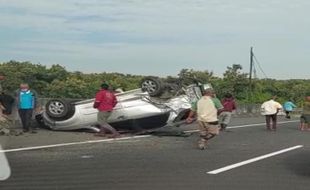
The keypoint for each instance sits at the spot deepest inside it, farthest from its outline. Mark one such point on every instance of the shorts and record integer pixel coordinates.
(225, 117)
(305, 118)
(207, 128)
(102, 117)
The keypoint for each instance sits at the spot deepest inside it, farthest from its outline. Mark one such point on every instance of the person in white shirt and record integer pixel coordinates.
(270, 109)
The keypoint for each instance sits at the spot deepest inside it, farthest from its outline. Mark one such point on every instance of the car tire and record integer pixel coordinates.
(152, 85)
(59, 109)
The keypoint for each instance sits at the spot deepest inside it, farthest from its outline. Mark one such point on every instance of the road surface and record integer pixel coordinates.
(246, 157)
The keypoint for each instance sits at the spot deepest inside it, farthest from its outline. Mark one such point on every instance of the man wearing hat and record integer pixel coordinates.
(207, 115)
(105, 101)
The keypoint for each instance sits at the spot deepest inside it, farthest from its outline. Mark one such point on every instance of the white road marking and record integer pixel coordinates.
(217, 171)
(248, 125)
(116, 140)
(87, 156)
(73, 143)
(259, 124)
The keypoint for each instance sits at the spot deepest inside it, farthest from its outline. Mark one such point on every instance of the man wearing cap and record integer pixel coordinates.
(207, 115)
(105, 101)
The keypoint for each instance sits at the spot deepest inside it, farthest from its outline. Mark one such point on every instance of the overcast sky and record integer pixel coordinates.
(158, 37)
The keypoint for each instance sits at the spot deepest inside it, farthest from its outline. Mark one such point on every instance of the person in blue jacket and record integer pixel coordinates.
(26, 100)
(288, 108)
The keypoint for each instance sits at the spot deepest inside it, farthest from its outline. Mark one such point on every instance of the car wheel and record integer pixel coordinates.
(152, 85)
(59, 109)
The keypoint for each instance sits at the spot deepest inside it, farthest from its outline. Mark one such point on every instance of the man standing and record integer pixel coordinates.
(305, 116)
(206, 109)
(105, 101)
(26, 101)
(225, 114)
(270, 109)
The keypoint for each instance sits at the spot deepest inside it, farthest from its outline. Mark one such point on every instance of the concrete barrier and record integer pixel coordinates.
(247, 110)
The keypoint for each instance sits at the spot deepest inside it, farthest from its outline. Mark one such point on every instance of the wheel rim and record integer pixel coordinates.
(149, 85)
(56, 108)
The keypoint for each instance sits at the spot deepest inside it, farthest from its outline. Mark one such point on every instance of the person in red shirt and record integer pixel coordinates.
(225, 114)
(105, 101)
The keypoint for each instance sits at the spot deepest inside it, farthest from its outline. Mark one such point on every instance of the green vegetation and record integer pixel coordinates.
(57, 82)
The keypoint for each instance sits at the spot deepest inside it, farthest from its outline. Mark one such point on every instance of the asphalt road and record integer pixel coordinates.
(150, 162)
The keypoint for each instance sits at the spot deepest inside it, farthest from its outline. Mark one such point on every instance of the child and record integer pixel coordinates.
(305, 117)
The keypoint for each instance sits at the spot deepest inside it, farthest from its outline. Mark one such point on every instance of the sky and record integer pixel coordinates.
(159, 37)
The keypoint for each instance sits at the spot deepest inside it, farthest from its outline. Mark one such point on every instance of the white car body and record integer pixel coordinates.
(135, 110)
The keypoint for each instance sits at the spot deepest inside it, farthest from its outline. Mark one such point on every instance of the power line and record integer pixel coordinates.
(259, 66)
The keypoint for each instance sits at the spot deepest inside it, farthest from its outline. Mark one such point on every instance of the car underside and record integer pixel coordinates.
(151, 106)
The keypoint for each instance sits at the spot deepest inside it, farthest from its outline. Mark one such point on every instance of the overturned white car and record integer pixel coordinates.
(141, 109)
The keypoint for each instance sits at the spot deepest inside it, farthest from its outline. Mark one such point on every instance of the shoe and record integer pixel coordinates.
(202, 146)
(25, 130)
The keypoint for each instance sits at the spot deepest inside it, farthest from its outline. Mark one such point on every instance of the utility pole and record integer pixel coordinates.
(250, 76)
(251, 65)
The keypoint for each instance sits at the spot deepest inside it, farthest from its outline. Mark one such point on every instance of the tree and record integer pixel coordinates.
(190, 75)
(72, 87)
(235, 82)
(56, 81)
